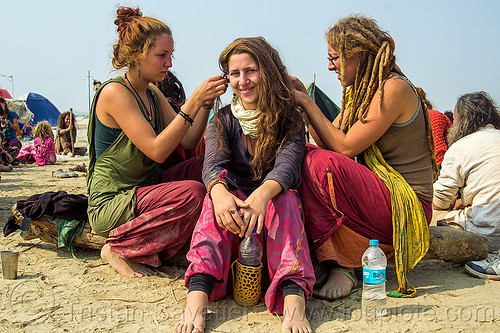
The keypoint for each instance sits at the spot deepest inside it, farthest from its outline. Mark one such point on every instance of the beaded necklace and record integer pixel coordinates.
(151, 106)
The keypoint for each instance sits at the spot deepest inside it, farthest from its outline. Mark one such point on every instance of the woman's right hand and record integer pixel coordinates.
(210, 89)
(226, 209)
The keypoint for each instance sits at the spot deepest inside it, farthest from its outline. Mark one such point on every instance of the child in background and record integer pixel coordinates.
(5, 160)
(43, 149)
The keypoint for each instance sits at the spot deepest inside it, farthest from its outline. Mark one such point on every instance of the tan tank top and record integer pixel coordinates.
(404, 147)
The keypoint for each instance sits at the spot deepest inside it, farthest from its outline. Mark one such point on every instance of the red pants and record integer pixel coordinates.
(166, 214)
(355, 198)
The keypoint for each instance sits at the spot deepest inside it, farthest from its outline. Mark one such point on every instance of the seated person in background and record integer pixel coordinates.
(42, 151)
(9, 126)
(174, 92)
(440, 124)
(471, 166)
(5, 160)
(449, 114)
(65, 125)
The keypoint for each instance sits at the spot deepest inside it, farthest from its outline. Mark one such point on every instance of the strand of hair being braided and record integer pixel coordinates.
(360, 36)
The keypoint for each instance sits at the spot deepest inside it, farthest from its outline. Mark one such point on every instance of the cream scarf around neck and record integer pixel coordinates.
(247, 118)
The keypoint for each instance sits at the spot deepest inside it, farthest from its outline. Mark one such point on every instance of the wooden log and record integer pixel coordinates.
(47, 232)
(455, 245)
(446, 243)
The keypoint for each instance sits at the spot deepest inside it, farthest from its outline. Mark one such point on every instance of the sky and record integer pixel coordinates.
(58, 47)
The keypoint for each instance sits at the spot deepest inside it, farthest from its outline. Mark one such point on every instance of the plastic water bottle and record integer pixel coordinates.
(250, 252)
(374, 299)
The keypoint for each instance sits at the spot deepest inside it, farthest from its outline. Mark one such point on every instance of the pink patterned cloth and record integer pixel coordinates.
(166, 214)
(42, 152)
(284, 241)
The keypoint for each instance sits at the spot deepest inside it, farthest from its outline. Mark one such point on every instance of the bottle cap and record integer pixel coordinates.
(373, 242)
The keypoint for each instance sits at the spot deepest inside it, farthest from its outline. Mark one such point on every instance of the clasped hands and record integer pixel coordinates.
(238, 216)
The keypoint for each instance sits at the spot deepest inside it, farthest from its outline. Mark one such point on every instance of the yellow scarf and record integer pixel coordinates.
(410, 237)
(248, 118)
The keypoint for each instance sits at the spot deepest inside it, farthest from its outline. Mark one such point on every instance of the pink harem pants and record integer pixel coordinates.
(284, 242)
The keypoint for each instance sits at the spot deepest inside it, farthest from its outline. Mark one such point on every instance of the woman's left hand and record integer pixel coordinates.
(254, 215)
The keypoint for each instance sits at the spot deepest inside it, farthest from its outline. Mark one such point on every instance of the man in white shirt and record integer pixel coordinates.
(471, 166)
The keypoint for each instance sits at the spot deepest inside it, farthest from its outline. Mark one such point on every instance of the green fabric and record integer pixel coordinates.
(114, 177)
(67, 230)
(107, 135)
(325, 104)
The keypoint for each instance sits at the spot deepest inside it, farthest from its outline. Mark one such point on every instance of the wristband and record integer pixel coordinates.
(186, 117)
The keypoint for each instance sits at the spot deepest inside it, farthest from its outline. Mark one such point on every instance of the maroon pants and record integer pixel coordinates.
(354, 196)
(166, 214)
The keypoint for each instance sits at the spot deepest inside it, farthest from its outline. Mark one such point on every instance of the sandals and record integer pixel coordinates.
(350, 273)
(69, 173)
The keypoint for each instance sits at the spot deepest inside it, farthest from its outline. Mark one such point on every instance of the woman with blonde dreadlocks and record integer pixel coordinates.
(386, 194)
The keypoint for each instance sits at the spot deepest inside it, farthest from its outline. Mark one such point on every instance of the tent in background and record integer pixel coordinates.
(326, 105)
(5, 93)
(42, 108)
(20, 107)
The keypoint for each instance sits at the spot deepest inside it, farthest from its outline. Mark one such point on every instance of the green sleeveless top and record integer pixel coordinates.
(114, 176)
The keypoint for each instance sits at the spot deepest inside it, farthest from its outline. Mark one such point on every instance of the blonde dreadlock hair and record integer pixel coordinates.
(359, 35)
(43, 130)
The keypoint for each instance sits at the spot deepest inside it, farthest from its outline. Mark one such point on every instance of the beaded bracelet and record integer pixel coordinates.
(214, 182)
(186, 117)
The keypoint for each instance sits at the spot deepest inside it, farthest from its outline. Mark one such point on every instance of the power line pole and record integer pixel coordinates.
(88, 78)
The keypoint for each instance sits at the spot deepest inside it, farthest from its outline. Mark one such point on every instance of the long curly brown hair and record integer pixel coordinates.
(5, 110)
(279, 117)
(60, 121)
(359, 35)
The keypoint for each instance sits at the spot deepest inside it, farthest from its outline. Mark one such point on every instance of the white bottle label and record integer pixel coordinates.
(373, 276)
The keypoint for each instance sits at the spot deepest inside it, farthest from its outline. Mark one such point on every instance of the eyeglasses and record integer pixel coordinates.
(332, 59)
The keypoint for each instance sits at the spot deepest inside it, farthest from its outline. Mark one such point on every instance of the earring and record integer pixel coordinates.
(139, 73)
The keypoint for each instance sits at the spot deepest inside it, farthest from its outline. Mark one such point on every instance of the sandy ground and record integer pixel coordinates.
(57, 293)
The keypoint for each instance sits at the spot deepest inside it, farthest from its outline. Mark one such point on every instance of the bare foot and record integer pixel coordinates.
(193, 319)
(337, 286)
(294, 315)
(5, 168)
(123, 266)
